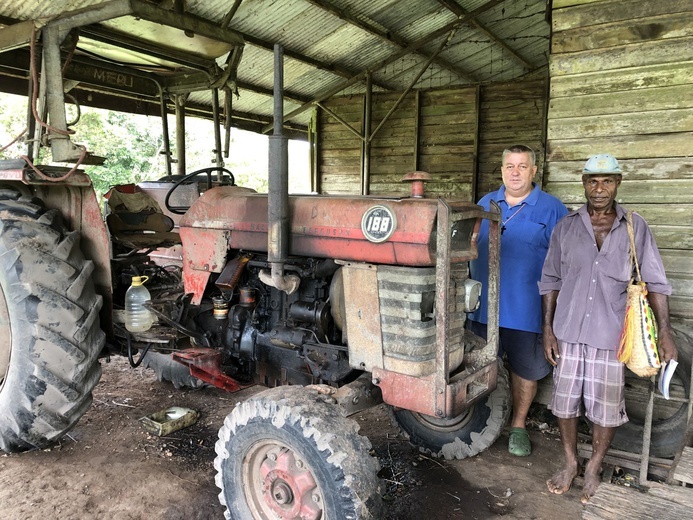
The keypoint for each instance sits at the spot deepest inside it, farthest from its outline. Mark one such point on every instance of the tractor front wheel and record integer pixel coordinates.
(466, 435)
(289, 453)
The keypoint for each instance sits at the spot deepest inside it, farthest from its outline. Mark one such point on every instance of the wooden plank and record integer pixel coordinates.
(631, 146)
(596, 105)
(603, 36)
(336, 153)
(464, 148)
(557, 4)
(680, 496)
(633, 169)
(652, 122)
(604, 12)
(657, 214)
(447, 111)
(681, 284)
(684, 468)
(444, 178)
(630, 191)
(676, 262)
(622, 56)
(439, 139)
(526, 90)
(462, 97)
(612, 502)
(681, 307)
(634, 78)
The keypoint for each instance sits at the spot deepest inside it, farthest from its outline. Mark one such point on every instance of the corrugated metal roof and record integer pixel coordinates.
(327, 42)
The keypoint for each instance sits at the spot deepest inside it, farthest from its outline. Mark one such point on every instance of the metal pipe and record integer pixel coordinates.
(63, 150)
(494, 253)
(228, 106)
(366, 147)
(180, 134)
(278, 170)
(278, 194)
(164, 130)
(219, 161)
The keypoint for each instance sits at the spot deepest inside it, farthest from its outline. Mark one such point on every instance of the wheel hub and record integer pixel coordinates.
(288, 487)
(281, 492)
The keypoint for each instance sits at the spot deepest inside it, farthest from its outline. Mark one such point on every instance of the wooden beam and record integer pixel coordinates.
(396, 56)
(460, 11)
(229, 16)
(388, 36)
(337, 70)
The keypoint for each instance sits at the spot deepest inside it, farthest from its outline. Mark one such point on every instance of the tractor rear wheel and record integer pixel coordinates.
(289, 453)
(49, 326)
(466, 435)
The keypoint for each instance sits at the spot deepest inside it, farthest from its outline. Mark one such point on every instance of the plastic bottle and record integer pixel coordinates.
(137, 317)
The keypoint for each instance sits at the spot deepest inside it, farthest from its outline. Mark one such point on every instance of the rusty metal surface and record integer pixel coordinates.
(327, 227)
(439, 394)
(204, 252)
(358, 395)
(363, 316)
(423, 395)
(205, 364)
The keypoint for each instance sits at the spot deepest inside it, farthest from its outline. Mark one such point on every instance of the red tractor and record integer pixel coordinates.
(336, 304)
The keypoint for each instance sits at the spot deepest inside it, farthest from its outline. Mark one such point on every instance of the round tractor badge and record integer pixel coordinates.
(378, 223)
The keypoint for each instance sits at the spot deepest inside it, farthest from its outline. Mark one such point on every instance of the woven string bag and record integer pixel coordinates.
(638, 343)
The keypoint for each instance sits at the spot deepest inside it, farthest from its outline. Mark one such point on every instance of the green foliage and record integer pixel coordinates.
(132, 147)
(12, 121)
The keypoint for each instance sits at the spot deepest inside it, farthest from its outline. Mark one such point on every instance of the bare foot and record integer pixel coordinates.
(560, 483)
(589, 488)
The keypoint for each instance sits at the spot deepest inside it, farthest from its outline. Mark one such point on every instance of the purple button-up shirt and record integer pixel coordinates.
(592, 282)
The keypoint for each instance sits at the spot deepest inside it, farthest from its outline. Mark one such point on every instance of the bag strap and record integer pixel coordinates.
(631, 236)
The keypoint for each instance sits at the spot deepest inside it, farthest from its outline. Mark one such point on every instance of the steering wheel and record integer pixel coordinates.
(180, 210)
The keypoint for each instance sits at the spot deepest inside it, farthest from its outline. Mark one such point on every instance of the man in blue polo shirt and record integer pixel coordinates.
(528, 216)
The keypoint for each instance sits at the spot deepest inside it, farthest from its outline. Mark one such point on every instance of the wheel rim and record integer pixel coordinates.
(5, 338)
(450, 424)
(279, 484)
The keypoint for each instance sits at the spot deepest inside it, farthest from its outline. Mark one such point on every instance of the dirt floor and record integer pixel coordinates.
(110, 467)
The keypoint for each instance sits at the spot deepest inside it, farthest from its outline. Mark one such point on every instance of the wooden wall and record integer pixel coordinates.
(434, 131)
(456, 135)
(511, 113)
(622, 83)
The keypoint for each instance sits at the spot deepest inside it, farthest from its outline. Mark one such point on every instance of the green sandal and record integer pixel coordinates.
(519, 443)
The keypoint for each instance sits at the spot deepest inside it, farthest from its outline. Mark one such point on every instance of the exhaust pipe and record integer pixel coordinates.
(278, 196)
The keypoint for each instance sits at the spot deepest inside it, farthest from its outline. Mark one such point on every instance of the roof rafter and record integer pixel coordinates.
(389, 37)
(334, 69)
(392, 58)
(461, 11)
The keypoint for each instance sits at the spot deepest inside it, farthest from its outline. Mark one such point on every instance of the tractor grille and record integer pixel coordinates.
(407, 315)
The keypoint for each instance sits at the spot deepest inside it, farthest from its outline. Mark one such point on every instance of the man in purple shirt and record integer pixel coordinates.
(583, 286)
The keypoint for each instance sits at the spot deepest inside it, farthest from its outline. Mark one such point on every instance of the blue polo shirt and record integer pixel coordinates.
(527, 228)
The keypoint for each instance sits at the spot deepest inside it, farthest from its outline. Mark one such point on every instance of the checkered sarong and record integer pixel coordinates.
(592, 380)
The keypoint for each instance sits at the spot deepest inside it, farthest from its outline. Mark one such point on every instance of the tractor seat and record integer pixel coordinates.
(142, 230)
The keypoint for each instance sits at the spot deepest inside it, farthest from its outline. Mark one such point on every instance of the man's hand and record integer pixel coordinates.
(665, 339)
(550, 343)
(666, 346)
(548, 308)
